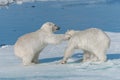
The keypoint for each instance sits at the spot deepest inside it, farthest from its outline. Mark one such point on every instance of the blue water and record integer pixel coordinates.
(20, 19)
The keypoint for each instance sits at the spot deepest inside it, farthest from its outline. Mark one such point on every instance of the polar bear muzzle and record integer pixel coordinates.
(55, 28)
(58, 28)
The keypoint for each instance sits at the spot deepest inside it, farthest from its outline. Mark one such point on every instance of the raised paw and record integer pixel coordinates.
(67, 36)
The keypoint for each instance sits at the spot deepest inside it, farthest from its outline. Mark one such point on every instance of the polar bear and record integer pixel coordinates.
(94, 43)
(29, 46)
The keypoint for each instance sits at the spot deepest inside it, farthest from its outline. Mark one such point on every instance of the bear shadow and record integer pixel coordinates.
(79, 57)
(49, 60)
(113, 56)
(109, 56)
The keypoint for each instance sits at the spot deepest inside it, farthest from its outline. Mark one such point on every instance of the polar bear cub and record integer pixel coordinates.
(94, 42)
(29, 46)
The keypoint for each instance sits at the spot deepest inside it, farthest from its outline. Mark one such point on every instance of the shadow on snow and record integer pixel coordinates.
(49, 60)
(113, 56)
(77, 56)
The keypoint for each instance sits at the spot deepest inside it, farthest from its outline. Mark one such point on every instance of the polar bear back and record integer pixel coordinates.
(30, 43)
(90, 39)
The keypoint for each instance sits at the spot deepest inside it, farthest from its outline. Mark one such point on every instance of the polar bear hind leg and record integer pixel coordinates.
(27, 60)
(89, 57)
(36, 58)
(86, 56)
(101, 56)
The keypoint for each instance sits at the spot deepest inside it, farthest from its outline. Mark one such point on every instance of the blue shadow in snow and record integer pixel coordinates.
(48, 60)
(113, 56)
(109, 56)
(77, 55)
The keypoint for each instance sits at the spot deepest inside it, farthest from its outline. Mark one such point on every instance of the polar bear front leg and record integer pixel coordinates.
(56, 39)
(36, 58)
(102, 57)
(67, 54)
(86, 56)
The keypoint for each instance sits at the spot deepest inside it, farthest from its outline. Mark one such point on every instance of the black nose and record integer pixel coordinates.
(58, 28)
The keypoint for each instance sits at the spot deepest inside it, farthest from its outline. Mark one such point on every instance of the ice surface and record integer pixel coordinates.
(50, 69)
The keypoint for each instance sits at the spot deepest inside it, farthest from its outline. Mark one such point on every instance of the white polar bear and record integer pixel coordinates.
(28, 46)
(94, 42)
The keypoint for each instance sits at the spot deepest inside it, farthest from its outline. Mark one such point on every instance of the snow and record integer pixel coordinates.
(49, 67)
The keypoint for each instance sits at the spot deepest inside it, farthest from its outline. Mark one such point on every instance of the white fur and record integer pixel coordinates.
(94, 42)
(29, 46)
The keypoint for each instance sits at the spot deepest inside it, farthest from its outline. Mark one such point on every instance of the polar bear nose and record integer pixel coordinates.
(58, 28)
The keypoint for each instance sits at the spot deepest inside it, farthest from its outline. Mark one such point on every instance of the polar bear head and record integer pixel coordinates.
(70, 32)
(50, 27)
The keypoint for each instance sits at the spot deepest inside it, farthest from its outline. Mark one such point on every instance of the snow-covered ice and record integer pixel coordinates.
(50, 69)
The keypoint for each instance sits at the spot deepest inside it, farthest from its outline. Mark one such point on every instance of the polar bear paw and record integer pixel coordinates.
(63, 62)
(67, 36)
